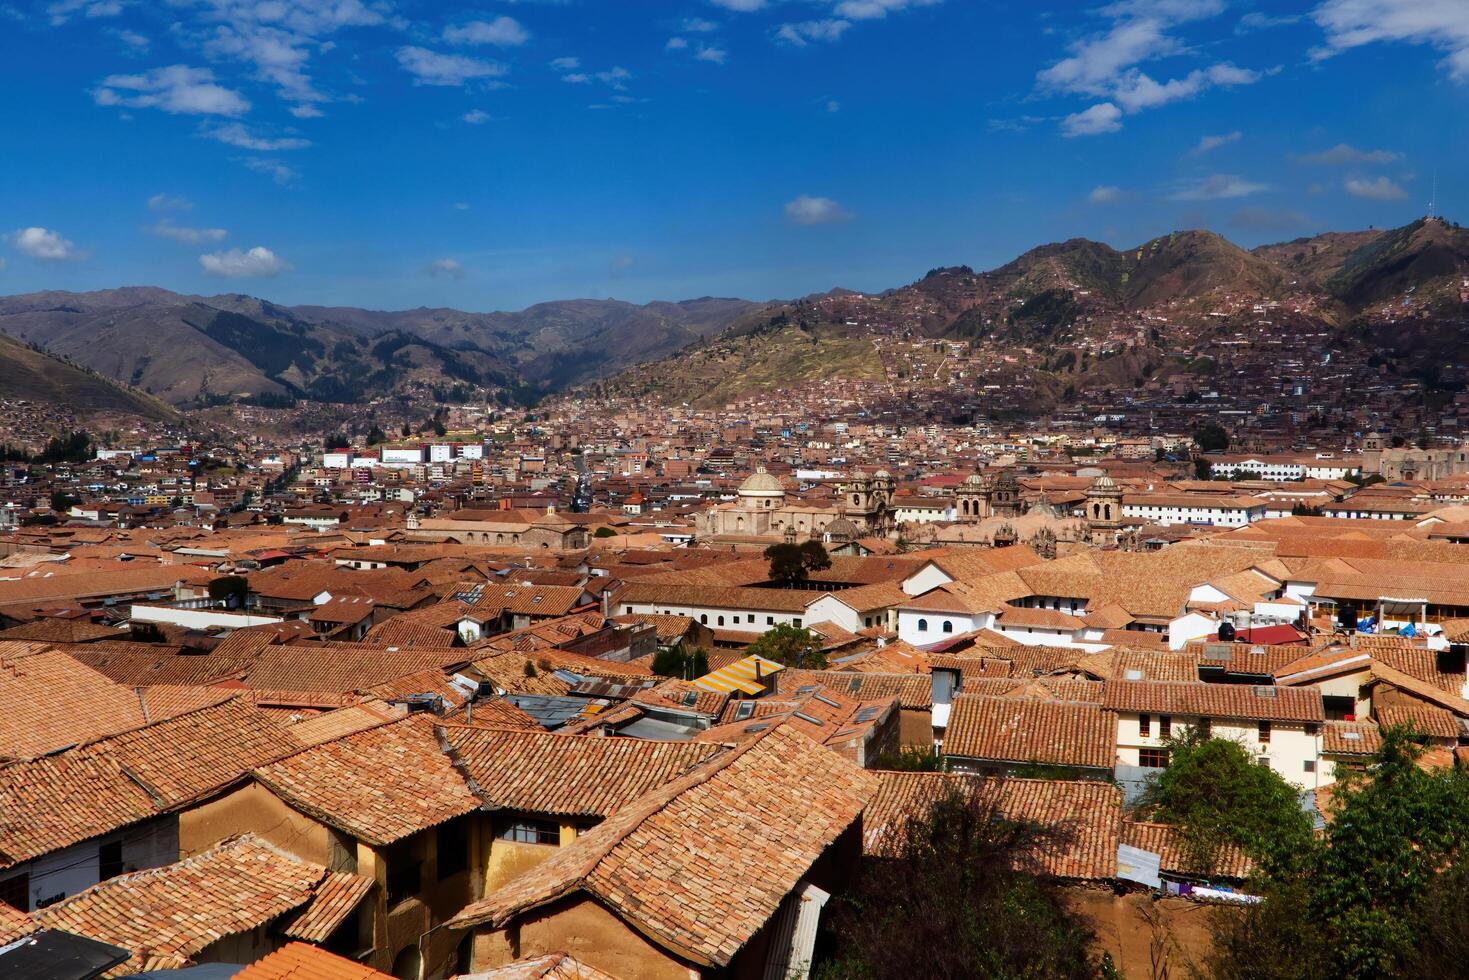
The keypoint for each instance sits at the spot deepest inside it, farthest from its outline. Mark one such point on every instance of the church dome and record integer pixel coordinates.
(882, 475)
(762, 483)
(1103, 484)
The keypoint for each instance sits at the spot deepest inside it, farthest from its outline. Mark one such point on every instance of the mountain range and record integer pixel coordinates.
(190, 351)
(197, 350)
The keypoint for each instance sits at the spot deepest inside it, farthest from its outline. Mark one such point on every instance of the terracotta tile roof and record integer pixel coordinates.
(913, 691)
(1245, 701)
(380, 785)
(59, 800)
(142, 664)
(1084, 815)
(167, 915)
(331, 725)
(1350, 738)
(170, 700)
(1428, 719)
(431, 681)
(1052, 619)
(670, 629)
(552, 966)
(61, 631)
(700, 865)
(338, 667)
(1015, 730)
(49, 700)
(569, 775)
(336, 897)
(1139, 665)
(300, 961)
(1243, 658)
(1166, 841)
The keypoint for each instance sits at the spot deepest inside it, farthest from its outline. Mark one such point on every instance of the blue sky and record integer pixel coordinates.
(392, 153)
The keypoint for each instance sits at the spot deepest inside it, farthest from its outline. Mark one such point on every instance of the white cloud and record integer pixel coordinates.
(188, 236)
(711, 53)
(136, 42)
(577, 78)
(614, 76)
(873, 9)
(1105, 194)
(1096, 62)
(808, 210)
(257, 263)
(800, 34)
(64, 10)
(448, 268)
(504, 32)
(169, 202)
(1107, 64)
(1216, 187)
(1346, 155)
(460, 206)
(236, 134)
(566, 64)
(676, 44)
(43, 244)
(274, 169)
(1208, 143)
(1444, 24)
(177, 89)
(306, 112)
(1381, 189)
(698, 25)
(1104, 117)
(832, 105)
(741, 6)
(476, 117)
(1135, 91)
(431, 68)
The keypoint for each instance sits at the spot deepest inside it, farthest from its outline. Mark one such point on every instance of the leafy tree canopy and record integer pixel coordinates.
(793, 646)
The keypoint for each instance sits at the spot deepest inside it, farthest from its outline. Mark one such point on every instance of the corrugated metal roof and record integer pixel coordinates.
(750, 676)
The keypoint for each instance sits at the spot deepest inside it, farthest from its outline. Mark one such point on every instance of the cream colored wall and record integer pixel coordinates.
(252, 809)
(1288, 750)
(579, 926)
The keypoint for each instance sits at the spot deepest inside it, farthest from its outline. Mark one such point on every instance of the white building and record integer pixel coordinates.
(1215, 510)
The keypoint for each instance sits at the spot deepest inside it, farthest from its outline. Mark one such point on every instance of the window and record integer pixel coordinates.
(405, 872)
(948, 626)
(704, 618)
(16, 892)
(1311, 729)
(923, 626)
(1264, 733)
(1165, 726)
(531, 832)
(721, 620)
(1310, 765)
(452, 842)
(1206, 728)
(769, 620)
(1145, 726)
(1153, 758)
(796, 623)
(109, 860)
(750, 618)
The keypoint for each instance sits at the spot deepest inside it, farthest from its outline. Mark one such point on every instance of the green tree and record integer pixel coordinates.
(949, 895)
(232, 590)
(1392, 831)
(911, 758)
(61, 501)
(792, 563)
(681, 661)
(1211, 438)
(1216, 794)
(793, 646)
(376, 435)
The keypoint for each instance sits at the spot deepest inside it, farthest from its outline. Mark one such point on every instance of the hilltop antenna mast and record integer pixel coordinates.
(1433, 198)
